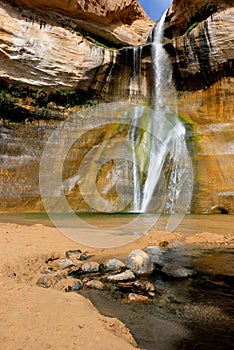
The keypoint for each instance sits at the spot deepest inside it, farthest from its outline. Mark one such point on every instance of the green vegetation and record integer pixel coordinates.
(191, 128)
(27, 102)
(98, 40)
(190, 28)
(187, 120)
(105, 45)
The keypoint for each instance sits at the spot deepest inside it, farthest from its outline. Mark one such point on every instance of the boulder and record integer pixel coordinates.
(177, 271)
(114, 265)
(156, 254)
(139, 262)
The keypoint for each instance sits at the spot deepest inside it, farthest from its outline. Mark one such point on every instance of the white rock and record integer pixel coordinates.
(139, 262)
(114, 265)
(66, 263)
(127, 275)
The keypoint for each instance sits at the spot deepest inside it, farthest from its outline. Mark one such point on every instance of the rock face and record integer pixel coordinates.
(117, 21)
(50, 50)
(46, 55)
(202, 52)
(82, 49)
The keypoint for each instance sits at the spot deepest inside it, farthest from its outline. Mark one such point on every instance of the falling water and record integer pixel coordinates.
(169, 171)
(133, 134)
(134, 86)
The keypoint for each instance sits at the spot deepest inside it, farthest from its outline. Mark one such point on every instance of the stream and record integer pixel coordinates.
(195, 313)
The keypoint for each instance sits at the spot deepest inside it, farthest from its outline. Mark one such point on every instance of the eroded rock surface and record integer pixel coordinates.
(202, 52)
(58, 46)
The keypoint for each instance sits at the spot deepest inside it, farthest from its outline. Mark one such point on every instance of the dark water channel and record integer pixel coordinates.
(195, 313)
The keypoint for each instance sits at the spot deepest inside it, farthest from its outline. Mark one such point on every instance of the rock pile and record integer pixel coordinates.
(132, 277)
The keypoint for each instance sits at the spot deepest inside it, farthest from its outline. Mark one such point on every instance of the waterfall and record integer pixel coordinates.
(134, 85)
(168, 177)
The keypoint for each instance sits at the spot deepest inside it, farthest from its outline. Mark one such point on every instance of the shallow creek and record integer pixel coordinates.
(195, 313)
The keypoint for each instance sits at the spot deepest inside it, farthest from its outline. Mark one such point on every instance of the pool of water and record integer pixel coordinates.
(190, 224)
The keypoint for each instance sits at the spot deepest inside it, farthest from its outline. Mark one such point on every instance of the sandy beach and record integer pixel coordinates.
(38, 318)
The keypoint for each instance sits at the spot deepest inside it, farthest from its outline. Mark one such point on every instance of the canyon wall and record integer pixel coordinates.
(200, 41)
(66, 53)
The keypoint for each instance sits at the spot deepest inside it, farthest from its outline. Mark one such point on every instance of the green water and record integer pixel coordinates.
(191, 224)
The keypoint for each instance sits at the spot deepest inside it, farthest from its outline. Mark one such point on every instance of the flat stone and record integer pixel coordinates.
(66, 263)
(139, 262)
(73, 252)
(144, 286)
(139, 286)
(114, 265)
(177, 271)
(46, 271)
(138, 298)
(127, 275)
(95, 284)
(90, 266)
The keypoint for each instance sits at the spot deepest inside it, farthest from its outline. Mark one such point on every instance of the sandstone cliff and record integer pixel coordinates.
(118, 21)
(50, 50)
(202, 52)
(70, 52)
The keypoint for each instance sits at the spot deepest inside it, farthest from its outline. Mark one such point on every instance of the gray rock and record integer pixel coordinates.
(46, 271)
(66, 263)
(91, 266)
(139, 262)
(73, 252)
(177, 271)
(44, 282)
(127, 275)
(95, 284)
(114, 265)
(78, 285)
(156, 254)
